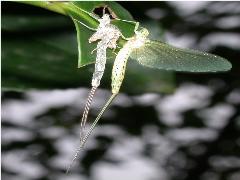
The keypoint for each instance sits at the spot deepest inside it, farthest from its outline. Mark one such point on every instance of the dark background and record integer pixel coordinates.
(191, 134)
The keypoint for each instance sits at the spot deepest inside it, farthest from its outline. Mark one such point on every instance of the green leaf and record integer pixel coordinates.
(21, 23)
(83, 12)
(36, 57)
(83, 33)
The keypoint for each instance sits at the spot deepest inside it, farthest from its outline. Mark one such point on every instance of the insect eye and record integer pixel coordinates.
(145, 32)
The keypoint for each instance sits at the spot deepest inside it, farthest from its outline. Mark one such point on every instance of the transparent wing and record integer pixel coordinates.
(156, 54)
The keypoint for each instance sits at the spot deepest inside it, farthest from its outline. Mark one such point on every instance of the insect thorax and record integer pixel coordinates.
(106, 31)
(140, 38)
(108, 35)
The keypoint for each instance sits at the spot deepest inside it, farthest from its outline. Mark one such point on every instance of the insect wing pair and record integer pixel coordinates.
(156, 54)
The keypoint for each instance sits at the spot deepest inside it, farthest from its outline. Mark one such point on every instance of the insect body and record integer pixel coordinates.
(120, 62)
(108, 35)
(119, 68)
(156, 54)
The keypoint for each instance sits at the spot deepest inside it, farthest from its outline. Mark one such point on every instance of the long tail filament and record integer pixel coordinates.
(85, 112)
(83, 141)
(83, 124)
(96, 120)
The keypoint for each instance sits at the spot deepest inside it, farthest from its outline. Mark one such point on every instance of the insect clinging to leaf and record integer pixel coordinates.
(156, 54)
(153, 54)
(108, 35)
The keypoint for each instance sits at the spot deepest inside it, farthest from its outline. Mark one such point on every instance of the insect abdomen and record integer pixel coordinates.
(100, 63)
(119, 67)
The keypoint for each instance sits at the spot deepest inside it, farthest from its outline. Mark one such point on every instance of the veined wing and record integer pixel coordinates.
(156, 54)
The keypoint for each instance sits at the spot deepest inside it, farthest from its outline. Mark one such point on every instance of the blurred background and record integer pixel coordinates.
(163, 126)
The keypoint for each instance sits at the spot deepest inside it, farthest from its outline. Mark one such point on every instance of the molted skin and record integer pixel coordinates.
(108, 35)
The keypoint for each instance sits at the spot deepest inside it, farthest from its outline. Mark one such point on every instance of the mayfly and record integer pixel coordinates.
(156, 54)
(159, 55)
(108, 35)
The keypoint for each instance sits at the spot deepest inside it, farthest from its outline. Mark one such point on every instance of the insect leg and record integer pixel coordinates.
(93, 50)
(75, 20)
(135, 28)
(104, 10)
(114, 52)
(134, 22)
(125, 38)
(96, 36)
